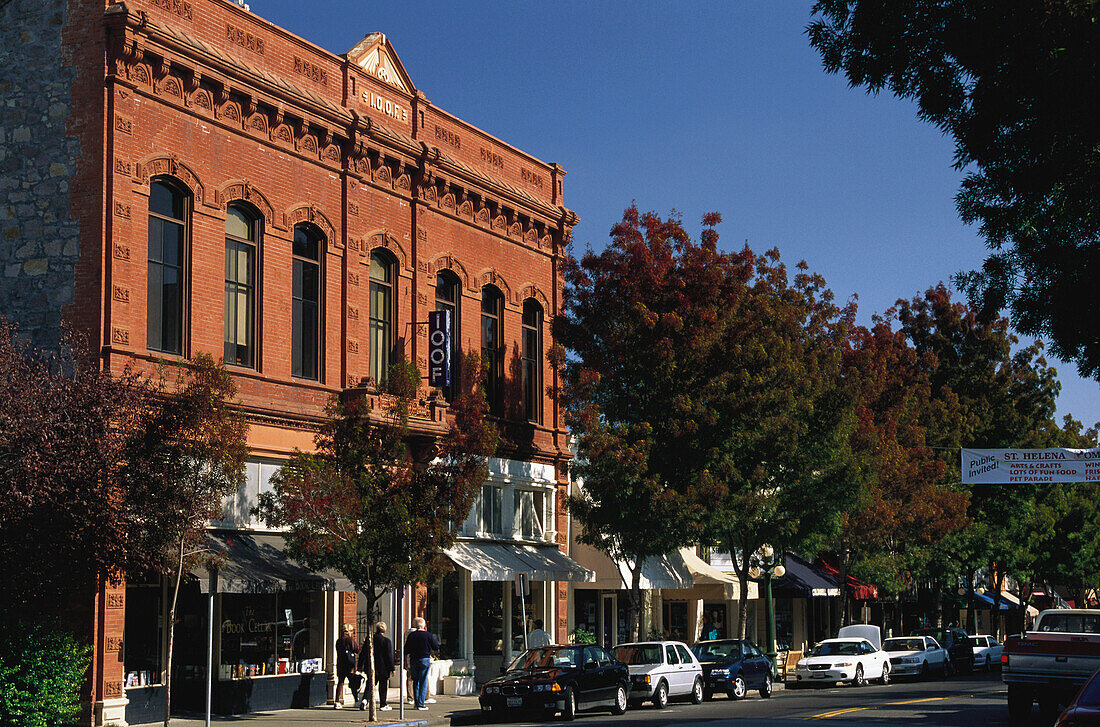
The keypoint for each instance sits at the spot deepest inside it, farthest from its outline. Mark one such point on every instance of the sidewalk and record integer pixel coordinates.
(445, 712)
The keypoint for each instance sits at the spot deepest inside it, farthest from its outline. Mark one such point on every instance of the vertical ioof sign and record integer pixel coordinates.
(439, 348)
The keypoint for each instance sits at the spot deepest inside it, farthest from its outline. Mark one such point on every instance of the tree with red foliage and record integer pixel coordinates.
(906, 504)
(369, 504)
(704, 390)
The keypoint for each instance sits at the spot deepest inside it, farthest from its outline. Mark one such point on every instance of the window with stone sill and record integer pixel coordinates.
(169, 226)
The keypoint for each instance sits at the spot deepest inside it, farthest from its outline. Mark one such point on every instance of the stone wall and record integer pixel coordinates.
(39, 239)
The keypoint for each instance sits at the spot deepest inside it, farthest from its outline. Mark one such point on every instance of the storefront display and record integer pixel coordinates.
(532, 607)
(269, 634)
(444, 613)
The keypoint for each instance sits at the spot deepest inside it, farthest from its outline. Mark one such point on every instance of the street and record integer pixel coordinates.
(962, 701)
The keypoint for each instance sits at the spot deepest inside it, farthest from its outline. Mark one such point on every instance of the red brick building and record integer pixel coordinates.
(189, 177)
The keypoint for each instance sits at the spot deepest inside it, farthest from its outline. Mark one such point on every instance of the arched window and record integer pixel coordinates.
(532, 360)
(306, 302)
(242, 230)
(492, 346)
(447, 297)
(168, 229)
(381, 314)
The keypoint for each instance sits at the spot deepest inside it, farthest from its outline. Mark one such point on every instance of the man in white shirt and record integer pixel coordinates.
(538, 637)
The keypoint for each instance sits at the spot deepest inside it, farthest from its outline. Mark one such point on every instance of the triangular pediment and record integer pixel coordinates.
(376, 57)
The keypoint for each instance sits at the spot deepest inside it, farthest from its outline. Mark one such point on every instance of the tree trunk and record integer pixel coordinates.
(845, 617)
(368, 644)
(998, 587)
(635, 600)
(172, 636)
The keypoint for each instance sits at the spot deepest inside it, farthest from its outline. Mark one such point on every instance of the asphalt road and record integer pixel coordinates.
(962, 701)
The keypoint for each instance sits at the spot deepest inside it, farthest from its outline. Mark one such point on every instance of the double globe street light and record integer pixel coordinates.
(766, 564)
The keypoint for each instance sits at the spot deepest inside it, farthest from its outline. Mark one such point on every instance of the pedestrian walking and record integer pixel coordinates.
(538, 637)
(346, 651)
(382, 648)
(419, 645)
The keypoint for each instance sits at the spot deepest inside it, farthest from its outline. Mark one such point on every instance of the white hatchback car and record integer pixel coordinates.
(987, 652)
(854, 656)
(660, 670)
(916, 656)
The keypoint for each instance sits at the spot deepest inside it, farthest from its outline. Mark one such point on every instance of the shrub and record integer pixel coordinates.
(42, 668)
(582, 635)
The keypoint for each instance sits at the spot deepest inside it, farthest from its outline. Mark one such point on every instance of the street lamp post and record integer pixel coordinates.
(766, 565)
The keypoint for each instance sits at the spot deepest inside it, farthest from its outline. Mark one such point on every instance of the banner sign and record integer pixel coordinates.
(1012, 466)
(439, 348)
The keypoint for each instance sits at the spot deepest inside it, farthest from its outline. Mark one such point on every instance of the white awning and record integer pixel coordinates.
(502, 561)
(682, 571)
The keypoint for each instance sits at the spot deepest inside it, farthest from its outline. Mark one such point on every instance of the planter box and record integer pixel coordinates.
(459, 686)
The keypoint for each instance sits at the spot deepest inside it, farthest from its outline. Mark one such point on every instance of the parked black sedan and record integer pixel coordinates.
(734, 667)
(564, 679)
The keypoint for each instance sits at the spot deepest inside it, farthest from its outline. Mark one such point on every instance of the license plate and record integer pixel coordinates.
(817, 676)
(515, 701)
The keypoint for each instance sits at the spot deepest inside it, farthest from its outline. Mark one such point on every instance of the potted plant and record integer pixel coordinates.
(459, 682)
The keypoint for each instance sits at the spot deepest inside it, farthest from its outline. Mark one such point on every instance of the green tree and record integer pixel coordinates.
(1014, 85)
(999, 399)
(377, 501)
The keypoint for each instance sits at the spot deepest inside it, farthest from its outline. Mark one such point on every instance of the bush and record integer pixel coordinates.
(42, 669)
(581, 635)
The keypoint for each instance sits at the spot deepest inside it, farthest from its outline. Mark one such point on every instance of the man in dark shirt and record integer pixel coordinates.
(419, 645)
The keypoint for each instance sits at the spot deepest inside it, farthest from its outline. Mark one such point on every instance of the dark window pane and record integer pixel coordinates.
(173, 243)
(155, 307)
(156, 239)
(164, 201)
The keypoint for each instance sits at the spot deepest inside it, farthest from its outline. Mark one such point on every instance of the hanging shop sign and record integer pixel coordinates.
(439, 348)
(1022, 466)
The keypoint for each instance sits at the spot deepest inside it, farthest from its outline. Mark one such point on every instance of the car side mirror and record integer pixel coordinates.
(590, 665)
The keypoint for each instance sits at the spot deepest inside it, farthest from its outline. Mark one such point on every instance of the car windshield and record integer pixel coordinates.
(835, 648)
(1070, 623)
(937, 634)
(639, 654)
(977, 641)
(555, 656)
(1090, 694)
(717, 650)
(903, 645)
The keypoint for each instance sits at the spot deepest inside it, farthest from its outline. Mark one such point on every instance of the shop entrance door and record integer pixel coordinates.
(610, 626)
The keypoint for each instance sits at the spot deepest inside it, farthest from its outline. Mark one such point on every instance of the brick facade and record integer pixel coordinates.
(232, 109)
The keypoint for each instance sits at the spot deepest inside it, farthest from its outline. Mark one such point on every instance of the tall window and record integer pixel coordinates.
(241, 234)
(446, 298)
(167, 233)
(490, 510)
(492, 346)
(381, 314)
(306, 295)
(532, 360)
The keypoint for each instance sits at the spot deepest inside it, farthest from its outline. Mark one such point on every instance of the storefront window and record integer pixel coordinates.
(269, 634)
(143, 639)
(445, 615)
(488, 618)
(784, 623)
(532, 605)
(585, 615)
(676, 620)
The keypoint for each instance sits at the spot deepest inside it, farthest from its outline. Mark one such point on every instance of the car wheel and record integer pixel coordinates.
(1019, 702)
(988, 667)
(660, 695)
(620, 700)
(945, 668)
(885, 673)
(570, 711)
(924, 670)
(858, 680)
(697, 691)
(739, 688)
(1048, 707)
(766, 690)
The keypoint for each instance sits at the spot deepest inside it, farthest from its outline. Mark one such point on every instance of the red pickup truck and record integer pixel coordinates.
(1051, 663)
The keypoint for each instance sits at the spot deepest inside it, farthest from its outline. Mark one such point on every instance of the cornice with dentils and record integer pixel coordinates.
(278, 87)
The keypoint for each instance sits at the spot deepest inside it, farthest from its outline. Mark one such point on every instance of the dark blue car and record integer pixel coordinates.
(734, 667)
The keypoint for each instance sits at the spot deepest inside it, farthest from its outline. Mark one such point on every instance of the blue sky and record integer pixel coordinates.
(710, 106)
